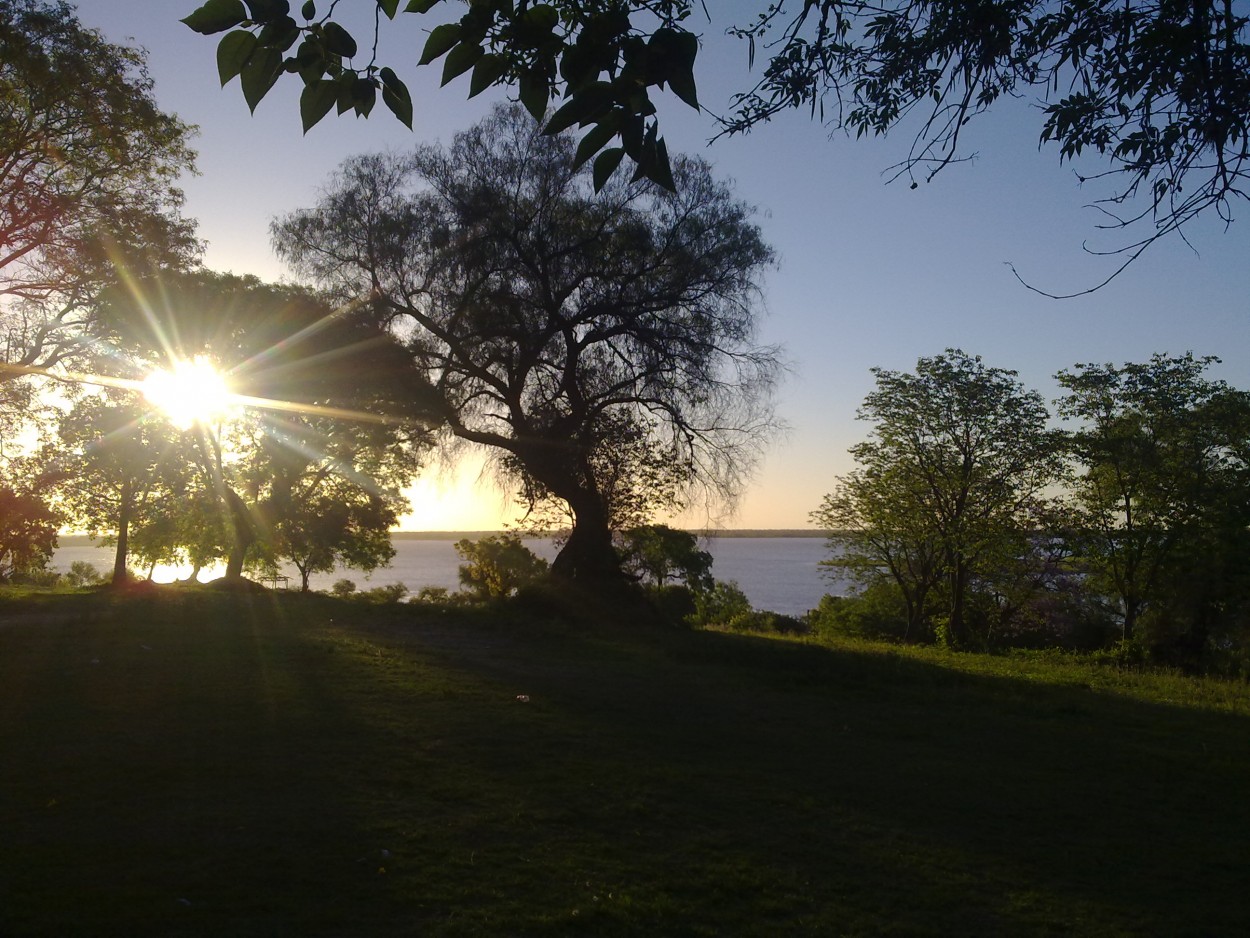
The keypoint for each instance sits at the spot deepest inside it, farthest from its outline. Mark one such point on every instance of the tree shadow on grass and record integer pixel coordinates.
(256, 756)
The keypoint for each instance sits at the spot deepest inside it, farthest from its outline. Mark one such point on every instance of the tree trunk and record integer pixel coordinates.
(120, 572)
(588, 554)
(244, 532)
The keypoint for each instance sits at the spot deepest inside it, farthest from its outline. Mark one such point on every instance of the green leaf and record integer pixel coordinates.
(216, 16)
(535, 92)
(265, 11)
(442, 38)
(421, 6)
(581, 107)
(460, 60)
(595, 140)
(338, 40)
(308, 10)
(365, 95)
(233, 52)
(259, 74)
(661, 171)
(389, 7)
(316, 100)
(489, 69)
(396, 97)
(605, 165)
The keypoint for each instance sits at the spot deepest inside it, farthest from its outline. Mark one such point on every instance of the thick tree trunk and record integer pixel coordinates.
(120, 571)
(244, 535)
(588, 554)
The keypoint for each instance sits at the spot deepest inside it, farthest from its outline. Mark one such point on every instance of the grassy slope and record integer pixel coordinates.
(196, 763)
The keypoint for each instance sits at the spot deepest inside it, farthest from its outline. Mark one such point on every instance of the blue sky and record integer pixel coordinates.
(871, 274)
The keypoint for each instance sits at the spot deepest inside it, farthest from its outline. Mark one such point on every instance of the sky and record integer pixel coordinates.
(870, 274)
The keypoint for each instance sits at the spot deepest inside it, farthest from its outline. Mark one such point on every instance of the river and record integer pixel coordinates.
(781, 574)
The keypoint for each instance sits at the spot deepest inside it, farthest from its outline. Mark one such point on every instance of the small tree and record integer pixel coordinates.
(27, 533)
(658, 553)
(498, 565)
(950, 484)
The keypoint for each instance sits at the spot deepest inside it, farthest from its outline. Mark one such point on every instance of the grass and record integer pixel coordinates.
(193, 763)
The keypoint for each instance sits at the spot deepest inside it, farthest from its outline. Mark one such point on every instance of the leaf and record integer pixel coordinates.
(486, 72)
(534, 92)
(580, 108)
(396, 97)
(661, 171)
(339, 40)
(442, 38)
(595, 140)
(233, 52)
(389, 7)
(420, 6)
(316, 100)
(259, 74)
(605, 165)
(265, 11)
(216, 16)
(308, 10)
(460, 60)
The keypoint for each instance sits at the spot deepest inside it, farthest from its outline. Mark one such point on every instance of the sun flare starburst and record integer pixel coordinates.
(190, 392)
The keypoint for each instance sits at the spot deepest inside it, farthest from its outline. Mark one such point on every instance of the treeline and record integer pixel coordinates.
(974, 518)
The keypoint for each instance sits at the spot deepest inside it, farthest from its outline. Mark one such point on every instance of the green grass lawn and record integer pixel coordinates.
(198, 763)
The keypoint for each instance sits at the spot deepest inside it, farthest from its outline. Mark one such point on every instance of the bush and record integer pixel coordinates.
(383, 595)
(769, 622)
(498, 566)
(82, 573)
(877, 613)
(675, 604)
(721, 604)
(343, 587)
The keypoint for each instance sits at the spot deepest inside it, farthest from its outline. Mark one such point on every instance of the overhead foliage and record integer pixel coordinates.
(1159, 91)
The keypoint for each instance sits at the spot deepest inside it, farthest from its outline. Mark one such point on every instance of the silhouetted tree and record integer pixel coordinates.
(552, 323)
(88, 165)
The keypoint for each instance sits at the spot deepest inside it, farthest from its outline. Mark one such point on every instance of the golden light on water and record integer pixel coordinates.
(189, 392)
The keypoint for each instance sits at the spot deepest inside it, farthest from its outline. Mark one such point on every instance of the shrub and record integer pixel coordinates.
(675, 604)
(758, 620)
(383, 595)
(343, 587)
(720, 604)
(82, 573)
(498, 566)
(877, 612)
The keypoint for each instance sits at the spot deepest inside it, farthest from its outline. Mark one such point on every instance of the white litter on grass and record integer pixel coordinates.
(523, 698)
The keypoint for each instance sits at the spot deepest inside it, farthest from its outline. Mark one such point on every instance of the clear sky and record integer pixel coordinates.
(870, 275)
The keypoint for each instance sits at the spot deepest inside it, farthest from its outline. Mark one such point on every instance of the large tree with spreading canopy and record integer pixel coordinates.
(553, 324)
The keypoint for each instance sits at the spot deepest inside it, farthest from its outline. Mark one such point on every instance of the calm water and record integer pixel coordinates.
(776, 573)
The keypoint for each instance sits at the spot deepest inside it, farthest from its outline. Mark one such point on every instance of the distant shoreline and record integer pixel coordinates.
(81, 540)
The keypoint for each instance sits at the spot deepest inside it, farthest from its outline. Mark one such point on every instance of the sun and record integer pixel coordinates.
(190, 392)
